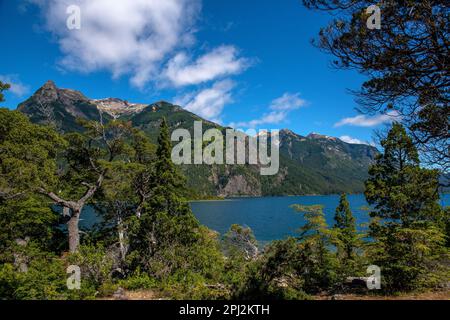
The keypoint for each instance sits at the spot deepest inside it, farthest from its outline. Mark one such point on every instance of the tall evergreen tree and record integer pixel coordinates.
(168, 181)
(166, 223)
(398, 187)
(407, 223)
(346, 229)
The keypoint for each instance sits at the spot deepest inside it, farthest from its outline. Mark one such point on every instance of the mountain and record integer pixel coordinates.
(315, 164)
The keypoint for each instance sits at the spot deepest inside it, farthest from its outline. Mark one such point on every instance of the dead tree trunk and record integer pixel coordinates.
(122, 238)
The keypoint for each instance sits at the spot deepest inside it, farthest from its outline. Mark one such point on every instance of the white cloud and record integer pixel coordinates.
(123, 37)
(208, 103)
(288, 102)
(351, 140)
(366, 121)
(221, 61)
(17, 87)
(279, 111)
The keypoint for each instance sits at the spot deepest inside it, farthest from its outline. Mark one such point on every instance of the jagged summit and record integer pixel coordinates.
(50, 104)
(315, 135)
(49, 84)
(116, 107)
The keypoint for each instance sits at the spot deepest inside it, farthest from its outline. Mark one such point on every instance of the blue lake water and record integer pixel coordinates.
(272, 218)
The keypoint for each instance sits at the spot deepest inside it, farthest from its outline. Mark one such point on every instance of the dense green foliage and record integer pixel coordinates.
(150, 240)
(408, 224)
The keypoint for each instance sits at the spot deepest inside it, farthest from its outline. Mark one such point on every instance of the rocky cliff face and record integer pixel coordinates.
(315, 164)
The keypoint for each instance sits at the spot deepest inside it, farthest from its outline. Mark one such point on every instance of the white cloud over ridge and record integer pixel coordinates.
(367, 121)
(351, 140)
(221, 61)
(208, 103)
(123, 37)
(279, 111)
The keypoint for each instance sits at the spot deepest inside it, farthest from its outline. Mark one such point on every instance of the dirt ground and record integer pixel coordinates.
(435, 295)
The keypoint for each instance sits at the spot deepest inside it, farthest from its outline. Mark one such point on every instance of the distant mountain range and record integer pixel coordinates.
(313, 164)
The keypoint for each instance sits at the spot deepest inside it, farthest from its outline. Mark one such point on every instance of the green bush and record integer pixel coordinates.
(138, 281)
(45, 279)
(95, 264)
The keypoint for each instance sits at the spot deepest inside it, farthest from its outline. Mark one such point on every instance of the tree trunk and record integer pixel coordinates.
(122, 238)
(74, 232)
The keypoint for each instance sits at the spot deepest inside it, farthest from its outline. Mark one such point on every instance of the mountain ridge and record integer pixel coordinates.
(312, 164)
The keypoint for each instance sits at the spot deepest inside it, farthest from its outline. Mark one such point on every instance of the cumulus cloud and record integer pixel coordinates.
(288, 102)
(208, 103)
(279, 110)
(351, 140)
(17, 87)
(221, 61)
(123, 37)
(366, 121)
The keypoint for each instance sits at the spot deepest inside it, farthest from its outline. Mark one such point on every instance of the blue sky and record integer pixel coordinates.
(241, 63)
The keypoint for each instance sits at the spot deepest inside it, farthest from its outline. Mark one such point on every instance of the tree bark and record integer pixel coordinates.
(74, 232)
(122, 238)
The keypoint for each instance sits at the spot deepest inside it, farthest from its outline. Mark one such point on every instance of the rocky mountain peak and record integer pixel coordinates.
(49, 84)
(47, 93)
(116, 107)
(289, 133)
(315, 135)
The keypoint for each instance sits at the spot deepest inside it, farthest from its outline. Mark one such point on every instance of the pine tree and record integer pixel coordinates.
(169, 183)
(346, 229)
(166, 224)
(407, 225)
(398, 187)
(318, 264)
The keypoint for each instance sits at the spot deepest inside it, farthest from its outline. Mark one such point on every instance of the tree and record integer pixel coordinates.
(88, 159)
(169, 183)
(295, 267)
(346, 231)
(318, 267)
(144, 157)
(166, 225)
(241, 240)
(408, 223)
(275, 275)
(398, 187)
(406, 62)
(127, 187)
(28, 154)
(3, 87)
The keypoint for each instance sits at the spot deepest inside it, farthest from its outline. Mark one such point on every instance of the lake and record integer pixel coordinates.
(272, 218)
